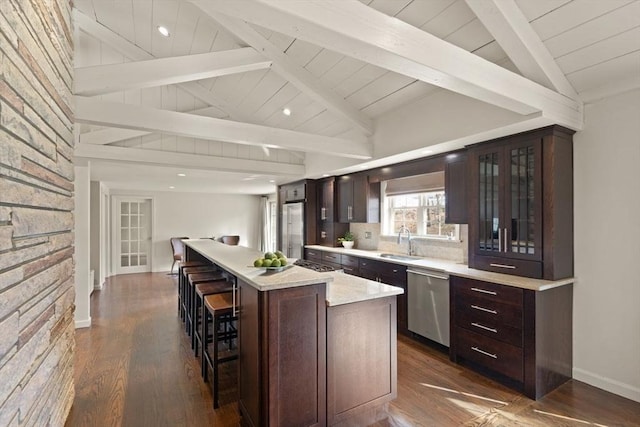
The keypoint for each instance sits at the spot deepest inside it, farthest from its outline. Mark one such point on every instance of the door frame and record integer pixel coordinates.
(115, 240)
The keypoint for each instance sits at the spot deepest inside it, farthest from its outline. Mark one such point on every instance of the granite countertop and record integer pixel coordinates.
(238, 260)
(456, 269)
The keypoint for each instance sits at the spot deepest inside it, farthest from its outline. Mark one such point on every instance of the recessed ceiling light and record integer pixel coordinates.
(286, 112)
(171, 187)
(427, 151)
(182, 174)
(164, 31)
(272, 181)
(325, 175)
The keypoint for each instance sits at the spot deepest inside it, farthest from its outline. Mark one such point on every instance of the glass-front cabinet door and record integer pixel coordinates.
(490, 225)
(523, 204)
(509, 201)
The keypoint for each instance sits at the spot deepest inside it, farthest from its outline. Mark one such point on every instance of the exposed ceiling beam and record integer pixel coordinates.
(356, 30)
(513, 32)
(133, 52)
(193, 161)
(111, 135)
(102, 79)
(103, 113)
(295, 74)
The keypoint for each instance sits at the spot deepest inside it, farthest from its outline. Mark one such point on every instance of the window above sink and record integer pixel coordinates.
(417, 203)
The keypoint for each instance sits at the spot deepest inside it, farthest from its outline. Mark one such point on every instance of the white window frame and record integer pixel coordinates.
(388, 216)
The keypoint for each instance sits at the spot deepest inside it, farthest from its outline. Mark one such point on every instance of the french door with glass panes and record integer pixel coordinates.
(133, 235)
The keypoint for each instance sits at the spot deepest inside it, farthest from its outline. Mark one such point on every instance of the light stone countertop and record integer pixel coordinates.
(238, 260)
(456, 269)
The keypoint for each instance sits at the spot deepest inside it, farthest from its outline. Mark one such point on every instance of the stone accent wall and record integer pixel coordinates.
(36, 219)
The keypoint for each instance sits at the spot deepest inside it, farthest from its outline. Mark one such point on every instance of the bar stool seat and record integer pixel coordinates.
(219, 310)
(201, 290)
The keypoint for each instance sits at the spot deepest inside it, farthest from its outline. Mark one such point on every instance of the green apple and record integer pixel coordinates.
(257, 263)
(275, 262)
(269, 255)
(267, 262)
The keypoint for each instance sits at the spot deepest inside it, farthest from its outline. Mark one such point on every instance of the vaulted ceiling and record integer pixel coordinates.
(208, 100)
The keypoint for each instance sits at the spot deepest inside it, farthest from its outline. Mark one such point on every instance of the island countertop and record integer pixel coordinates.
(238, 260)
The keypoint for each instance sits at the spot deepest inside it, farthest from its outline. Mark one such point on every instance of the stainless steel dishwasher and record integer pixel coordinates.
(428, 304)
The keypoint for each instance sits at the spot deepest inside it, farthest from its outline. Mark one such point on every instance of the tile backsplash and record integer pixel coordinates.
(451, 250)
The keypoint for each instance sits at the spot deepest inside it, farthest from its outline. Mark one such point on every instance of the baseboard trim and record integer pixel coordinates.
(608, 384)
(98, 286)
(86, 323)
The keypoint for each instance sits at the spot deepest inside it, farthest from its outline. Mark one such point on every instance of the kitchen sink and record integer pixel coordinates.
(400, 257)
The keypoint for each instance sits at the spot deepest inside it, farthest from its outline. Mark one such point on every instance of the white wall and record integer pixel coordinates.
(199, 215)
(607, 246)
(81, 243)
(94, 235)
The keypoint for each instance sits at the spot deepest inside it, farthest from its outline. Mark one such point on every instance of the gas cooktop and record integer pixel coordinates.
(313, 265)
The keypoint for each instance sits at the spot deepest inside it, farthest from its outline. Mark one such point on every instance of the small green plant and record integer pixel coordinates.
(348, 237)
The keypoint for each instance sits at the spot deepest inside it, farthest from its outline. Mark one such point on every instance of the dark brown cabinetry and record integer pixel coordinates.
(521, 204)
(523, 336)
(358, 200)
(328, 229)
(390, 274)
(456, 177)
(282, 364)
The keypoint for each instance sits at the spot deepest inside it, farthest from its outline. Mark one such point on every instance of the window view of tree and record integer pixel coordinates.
(422, 213)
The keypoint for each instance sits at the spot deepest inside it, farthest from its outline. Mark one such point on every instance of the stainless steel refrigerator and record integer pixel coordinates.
(292, 229)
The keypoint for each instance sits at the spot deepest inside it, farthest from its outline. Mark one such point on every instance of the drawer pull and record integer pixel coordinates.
(486, 328)
(511, 267)
(484, 291)
(486, 310)
(486, 353)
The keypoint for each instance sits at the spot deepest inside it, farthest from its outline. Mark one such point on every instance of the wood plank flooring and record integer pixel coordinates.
(135, 367)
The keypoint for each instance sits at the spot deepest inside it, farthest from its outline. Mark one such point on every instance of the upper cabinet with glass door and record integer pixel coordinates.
(521, 204)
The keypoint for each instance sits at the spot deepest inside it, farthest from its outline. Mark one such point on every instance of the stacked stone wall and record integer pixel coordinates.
(36, 218)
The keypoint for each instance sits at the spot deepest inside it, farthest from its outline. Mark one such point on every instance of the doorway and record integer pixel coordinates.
(132, 235)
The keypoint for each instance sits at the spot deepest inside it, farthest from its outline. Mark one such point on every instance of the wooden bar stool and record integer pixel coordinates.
(181, 265)
(218, 311)
(203, 289)
(190, 293)
(183, 282)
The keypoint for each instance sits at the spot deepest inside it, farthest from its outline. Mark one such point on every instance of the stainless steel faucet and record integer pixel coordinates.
(404, 228)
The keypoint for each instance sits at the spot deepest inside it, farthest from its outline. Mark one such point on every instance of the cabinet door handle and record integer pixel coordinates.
(486, 310)
(510, 267)
(486, 353)
(505, 239)
(486, 328)
(484, 291)
(499, 240)
(323, 213)
(234, 299)
(349, 213)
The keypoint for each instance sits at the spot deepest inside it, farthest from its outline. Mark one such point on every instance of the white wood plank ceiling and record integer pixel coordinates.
(264, 56)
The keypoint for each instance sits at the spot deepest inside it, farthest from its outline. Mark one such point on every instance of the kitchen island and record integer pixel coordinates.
(314, 348)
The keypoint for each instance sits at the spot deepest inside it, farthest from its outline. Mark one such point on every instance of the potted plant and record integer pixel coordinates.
(347, 240)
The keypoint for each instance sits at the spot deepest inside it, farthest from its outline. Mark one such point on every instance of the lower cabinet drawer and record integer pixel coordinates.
(313, 255)
(496, 355)
(489, 311)
(488, 325)
(331, 257)
(350, 270)
(351, 261)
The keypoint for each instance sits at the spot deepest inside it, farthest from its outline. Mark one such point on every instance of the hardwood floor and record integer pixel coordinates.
(135, 367)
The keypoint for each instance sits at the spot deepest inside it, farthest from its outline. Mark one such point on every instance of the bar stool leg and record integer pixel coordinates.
(216, 325)
(205, 334)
